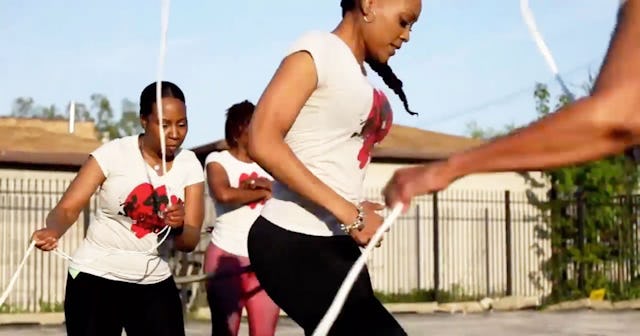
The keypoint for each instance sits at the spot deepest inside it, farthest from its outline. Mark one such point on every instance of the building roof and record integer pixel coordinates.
(414, 144)
(56, 161)
(40, 142)
(37, 142)
(402, 144)
(82, 129)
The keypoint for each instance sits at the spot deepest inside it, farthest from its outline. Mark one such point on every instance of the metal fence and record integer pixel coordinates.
(24, 204)
(456, 244)
(595, 246)
(464, 244)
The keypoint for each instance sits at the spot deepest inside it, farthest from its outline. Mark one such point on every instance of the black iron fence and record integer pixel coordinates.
(464, 244)
(461, 244)
(453, 245)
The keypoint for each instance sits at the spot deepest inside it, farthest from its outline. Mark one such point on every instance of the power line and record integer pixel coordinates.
(498, 101)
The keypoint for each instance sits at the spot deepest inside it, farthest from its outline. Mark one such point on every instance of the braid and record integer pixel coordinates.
(347, 5)
(382, 69)
(392, 81)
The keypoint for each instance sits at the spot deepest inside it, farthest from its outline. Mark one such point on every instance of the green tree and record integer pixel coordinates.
(22, 107)
(82, 112)
(105, 125)
(475, 131)
(101, 112)
(129, 123)
(588, 220)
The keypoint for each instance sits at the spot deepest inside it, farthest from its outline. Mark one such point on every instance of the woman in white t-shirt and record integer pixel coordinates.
(117, 278)
(313, 130)
(239, 188)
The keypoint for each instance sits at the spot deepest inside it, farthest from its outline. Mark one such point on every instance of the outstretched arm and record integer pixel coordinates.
(605, 123)
(602, 124)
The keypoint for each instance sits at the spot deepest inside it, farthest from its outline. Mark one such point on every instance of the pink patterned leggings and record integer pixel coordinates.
(234, 288)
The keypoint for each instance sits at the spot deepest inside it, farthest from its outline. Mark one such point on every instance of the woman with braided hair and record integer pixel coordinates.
(313, 130)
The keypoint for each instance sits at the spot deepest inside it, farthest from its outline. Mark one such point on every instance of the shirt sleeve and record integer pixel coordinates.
(194, 173)
(212, 157)
(315, 43)
(104, 155)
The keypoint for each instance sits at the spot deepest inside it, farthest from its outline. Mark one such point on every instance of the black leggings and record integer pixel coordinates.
(100, 307)
(302, 274)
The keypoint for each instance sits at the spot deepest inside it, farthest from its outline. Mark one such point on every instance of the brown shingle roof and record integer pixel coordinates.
(31, 145)
(414, 144)
(34, 159)
(39, 142)
(82, 129)
(403, 143)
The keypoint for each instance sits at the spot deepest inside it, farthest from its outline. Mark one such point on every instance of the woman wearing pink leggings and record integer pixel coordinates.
(239, 187)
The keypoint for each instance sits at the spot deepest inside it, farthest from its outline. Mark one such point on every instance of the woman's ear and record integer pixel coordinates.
(366, 8)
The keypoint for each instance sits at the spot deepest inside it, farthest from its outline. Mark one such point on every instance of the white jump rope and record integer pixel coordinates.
(164, 23)
(338, 302)
(529, 20)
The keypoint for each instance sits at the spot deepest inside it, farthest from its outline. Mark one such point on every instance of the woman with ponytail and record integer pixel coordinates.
(313, 130)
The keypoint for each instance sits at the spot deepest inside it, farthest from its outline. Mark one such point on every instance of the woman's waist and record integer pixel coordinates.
(302, 216)
(116, 264)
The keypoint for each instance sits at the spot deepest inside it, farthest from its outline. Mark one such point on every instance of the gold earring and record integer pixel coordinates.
(366, 18)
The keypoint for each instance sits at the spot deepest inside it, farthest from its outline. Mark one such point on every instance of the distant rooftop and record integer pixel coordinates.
(43, 141)
(402, 144)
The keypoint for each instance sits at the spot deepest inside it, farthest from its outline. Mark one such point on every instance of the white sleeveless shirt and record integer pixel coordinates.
(333, 135)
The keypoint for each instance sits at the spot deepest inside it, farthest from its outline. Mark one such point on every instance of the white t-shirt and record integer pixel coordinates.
(234, 221)
(126, 219)
(333, 135)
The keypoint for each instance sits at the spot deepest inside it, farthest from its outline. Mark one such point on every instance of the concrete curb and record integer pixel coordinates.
(505, 304)
(32, 318)
(487, 304)
(601, 305)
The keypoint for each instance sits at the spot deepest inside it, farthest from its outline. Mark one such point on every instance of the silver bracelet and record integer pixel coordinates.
(358, 223)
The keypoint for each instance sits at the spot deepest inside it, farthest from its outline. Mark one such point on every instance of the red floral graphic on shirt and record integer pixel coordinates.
(244, 177)
(376, 127)
(143, 206)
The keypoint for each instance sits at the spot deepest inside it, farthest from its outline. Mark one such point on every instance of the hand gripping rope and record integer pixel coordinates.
(338, 302)
(164, 23)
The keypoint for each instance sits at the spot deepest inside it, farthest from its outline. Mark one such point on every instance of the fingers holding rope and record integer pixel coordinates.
(338, 302)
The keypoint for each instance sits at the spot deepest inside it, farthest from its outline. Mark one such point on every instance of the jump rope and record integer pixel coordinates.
(164, 25)
(338, 302)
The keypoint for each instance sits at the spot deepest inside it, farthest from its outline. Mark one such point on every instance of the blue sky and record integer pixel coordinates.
(467, 60)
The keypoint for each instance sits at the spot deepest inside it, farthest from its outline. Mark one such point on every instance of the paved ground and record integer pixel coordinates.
(528, 323)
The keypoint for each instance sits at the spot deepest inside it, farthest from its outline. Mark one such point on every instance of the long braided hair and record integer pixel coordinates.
(382, 69)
